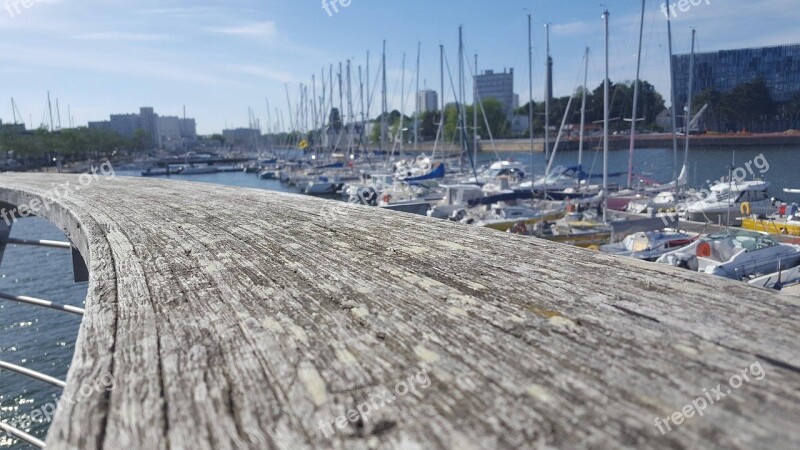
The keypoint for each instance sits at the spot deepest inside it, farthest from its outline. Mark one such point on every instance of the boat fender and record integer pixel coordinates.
(746, 209)
(704, 250)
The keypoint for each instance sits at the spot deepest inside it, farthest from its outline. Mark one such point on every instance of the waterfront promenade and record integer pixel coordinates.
(240, 318)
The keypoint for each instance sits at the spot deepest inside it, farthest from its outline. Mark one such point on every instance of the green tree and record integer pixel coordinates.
(219, 138)
(141, 139)
(429, 125)
(498, 122)
(335, 119)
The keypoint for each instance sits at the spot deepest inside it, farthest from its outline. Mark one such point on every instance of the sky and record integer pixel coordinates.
(221, 58)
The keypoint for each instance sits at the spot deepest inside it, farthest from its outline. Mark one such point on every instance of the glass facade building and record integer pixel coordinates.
(723, 70)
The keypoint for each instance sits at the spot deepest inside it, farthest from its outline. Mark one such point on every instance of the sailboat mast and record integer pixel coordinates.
(530, 88)
(674, 109)
(331, 139)
(439, 131)
(50, 110)
(58, 114)
(361, 100)
(635, 98)
(605, 124)
(384, 103)
(14, 110)
(416, 101)
(689, 103)
(289, 105)
(547, 93)
(402, 101)
(583, 105)
(342, 116)
(315, 111)
(350, 115)
(369, 95)
(475, 112)
(461, 122)
(270, 129)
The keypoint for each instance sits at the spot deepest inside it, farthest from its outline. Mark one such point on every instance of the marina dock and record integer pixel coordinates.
(255, 319)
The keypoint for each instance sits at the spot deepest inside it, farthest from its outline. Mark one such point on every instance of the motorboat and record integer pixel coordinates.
(784, 220)
(558, 179)
(667, 201)
(268, 173)
(322, 186)
(156, 172)
(785, 223)
(574, 229)
(514, 171)
(778, 280)
(649, 245)
(730, 200)
(199, 170)
(456, 197)
(735, 254)
(504, 217)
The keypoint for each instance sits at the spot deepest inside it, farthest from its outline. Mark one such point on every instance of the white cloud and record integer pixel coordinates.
(262, 72)
(266, 29)
(121, 36)
(573, 28)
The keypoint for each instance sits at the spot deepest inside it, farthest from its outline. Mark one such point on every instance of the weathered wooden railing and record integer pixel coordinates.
(238, 318)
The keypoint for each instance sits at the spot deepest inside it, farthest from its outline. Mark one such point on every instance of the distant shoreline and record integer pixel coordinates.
(620, 142)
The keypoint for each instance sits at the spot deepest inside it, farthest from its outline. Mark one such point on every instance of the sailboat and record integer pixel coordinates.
(578, 227)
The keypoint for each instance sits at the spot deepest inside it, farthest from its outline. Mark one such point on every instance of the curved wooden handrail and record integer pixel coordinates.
(240, 318)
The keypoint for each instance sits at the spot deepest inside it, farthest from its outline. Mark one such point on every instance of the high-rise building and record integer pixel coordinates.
(125, 124)
(241, 136)
(499, 86)
(188, 129)
(723, 70)
(163, 131)
(427, 100)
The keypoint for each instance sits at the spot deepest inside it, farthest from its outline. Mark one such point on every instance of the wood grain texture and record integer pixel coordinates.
(237, 318)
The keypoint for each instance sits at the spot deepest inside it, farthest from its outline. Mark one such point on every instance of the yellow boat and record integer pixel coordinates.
(784, 226)
(574, 230)
(506, 224)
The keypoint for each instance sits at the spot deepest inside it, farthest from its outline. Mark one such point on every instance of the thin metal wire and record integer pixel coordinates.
(42, 303)
(41, 243)
(8, 429)
(19, 434)
(32, 374)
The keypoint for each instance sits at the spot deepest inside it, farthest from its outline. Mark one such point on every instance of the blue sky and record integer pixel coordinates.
(221, 57)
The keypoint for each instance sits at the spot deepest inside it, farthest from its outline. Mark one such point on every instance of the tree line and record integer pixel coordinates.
(490, 111)
(74, 144)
